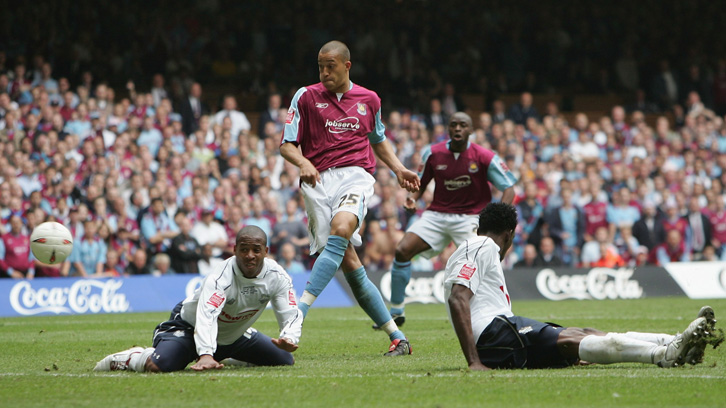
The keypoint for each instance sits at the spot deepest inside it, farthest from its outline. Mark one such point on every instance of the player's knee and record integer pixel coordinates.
(164, 366)
(341, 230)
(403, 254)
(571, 337)
(288, 360)
(151, 367)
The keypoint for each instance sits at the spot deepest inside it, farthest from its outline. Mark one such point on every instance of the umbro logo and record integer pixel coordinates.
(525, 330)
(321, 105)
(441, 167)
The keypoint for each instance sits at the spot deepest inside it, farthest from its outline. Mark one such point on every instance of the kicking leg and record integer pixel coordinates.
(342, 227)
(370, 300)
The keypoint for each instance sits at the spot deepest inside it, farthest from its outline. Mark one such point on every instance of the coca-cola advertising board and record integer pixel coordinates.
(560, 284)
(55, 296)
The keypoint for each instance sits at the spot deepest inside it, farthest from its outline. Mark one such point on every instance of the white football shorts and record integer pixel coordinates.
(438, 229)
(342, 189)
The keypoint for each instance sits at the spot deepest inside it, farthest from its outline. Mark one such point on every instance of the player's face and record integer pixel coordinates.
(459, 128)
(333, 72)
(250, 253)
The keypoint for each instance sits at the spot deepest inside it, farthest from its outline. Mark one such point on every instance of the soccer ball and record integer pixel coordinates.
(51, 243)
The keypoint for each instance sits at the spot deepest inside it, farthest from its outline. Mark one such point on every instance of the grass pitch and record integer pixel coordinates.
(47, 362)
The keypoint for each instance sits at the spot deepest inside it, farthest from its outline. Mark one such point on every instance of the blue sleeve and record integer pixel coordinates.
(292, 122)
(425, 154)
(2, 249)
(102, 253)
(379, 134)
(172, 225)
(610, 215)
(499, 174)
(148, 229)
(75, 252)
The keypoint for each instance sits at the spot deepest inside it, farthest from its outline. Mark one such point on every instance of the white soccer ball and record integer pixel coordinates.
(51, 243)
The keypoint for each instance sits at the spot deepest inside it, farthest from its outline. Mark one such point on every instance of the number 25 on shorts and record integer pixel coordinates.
(348, 200)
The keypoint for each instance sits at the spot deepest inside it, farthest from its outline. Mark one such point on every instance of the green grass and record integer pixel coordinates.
(47, 362)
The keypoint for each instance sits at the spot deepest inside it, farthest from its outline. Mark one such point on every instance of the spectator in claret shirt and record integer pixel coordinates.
(16, 260)
(672, 250)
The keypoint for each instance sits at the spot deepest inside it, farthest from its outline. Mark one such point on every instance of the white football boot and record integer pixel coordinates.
(676, 350)
(695, 354)
(117, 361)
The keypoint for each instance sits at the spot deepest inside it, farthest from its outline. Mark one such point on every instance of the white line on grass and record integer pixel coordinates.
(506, 374)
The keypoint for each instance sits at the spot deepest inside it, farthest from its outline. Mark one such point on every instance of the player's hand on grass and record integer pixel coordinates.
(309, 174)
(206, 362)
(285, 344)
(478, 366)
(408, 180)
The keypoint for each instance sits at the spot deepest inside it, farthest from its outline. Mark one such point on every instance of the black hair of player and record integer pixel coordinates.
(497, 218)
(251, 231)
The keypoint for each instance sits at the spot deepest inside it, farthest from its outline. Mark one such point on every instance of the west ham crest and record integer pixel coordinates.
(362, 109)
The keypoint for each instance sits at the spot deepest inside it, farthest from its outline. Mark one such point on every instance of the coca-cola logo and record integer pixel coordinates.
(599, 283)
(419, 289)
(84, 296)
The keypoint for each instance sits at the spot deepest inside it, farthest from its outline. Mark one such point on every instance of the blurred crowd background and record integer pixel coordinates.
(152, 132)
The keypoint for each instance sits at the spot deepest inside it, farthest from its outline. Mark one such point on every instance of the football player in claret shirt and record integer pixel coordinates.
(215, 323)
(331, 131)
(491, 336)
(462, 172)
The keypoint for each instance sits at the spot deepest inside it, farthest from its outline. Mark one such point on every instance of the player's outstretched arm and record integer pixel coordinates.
(461, 318)
(308, 173)
(206, 362)
(406, 178)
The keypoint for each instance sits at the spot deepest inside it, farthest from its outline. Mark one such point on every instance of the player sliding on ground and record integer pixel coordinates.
(331, 132)
(215, 323)
(462, 172)
(491, 336)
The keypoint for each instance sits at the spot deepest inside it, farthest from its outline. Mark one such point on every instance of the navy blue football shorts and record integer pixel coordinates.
(519, 342)
(175, 348)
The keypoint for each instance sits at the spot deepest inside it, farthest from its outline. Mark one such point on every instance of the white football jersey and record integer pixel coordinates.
(475, 264)
(227, 304)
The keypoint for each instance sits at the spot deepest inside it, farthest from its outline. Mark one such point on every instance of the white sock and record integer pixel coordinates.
(307, 298)
(389, 327)
(137, 362)
(619, 348)
(660, 339)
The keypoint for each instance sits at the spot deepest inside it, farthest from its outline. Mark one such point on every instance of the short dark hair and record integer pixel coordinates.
(251, 231)
(497, 218)
(337, 47)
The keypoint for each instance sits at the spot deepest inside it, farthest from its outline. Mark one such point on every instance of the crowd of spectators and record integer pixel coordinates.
(157, 178)
(147, 184)
(141, 194)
